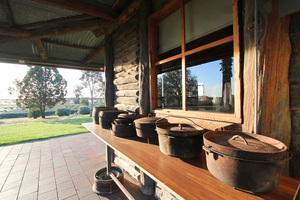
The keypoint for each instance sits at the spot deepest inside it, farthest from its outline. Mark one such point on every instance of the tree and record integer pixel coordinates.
(170, 88)
(77, 92)
(41, 87)
(95, 83)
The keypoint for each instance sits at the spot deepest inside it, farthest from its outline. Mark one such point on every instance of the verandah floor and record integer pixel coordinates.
(57, 168)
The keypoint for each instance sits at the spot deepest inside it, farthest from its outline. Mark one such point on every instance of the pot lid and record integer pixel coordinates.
(128, 116)
(246, 145)
(111, 112)
(149, 120)
(179, 130)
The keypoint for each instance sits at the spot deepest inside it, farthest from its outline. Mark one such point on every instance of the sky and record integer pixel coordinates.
(10, 72)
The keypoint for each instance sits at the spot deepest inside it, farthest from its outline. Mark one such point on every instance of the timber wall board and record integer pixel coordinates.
(126, 65)
(294, 82)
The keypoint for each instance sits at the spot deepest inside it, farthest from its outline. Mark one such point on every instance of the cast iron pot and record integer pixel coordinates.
(145, 127)
(123, 128)
(106, 117)
(96, 111)
(180, 140)
(245, 160)
(103, 184)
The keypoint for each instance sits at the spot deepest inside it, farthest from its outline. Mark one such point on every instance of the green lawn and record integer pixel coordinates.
(17, 133)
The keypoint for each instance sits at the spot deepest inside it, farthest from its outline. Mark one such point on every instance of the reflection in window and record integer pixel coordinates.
(170, 89)
(215, 87)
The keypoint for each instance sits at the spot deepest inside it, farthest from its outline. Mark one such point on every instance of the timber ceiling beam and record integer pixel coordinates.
(82, 7)
(67, 44)
(56, 22)
(8, 13)
(95, 54)
(41, 49)
(125, 16)
(17, 32)
(118, 5)
(87, 25)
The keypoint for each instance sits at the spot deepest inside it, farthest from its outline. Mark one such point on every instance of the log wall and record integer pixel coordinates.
(294, 82)
(126, 65)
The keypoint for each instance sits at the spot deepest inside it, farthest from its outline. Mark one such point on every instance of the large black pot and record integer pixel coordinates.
(96, 111)
(106, 117)
(245, 160)
(123, 128)
(180, 140)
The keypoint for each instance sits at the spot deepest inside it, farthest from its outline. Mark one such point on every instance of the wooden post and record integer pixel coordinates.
(109, 72)
(274, 51)
(144, 94)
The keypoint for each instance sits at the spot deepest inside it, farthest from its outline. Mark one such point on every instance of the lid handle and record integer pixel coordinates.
(238, 136)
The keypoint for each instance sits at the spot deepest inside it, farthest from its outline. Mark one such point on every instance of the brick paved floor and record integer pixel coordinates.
(57, 168)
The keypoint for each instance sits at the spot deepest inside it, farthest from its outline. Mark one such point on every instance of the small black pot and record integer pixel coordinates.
(103, 184)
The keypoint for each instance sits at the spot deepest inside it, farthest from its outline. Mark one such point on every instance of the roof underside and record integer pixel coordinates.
(61, 33)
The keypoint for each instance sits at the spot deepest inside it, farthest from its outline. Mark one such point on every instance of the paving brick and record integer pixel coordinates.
(52, 194)
(66, 193)
(65, 185)
(9, 194)
(10, 186)
(91, 197)
(31, 196)
(85, 191)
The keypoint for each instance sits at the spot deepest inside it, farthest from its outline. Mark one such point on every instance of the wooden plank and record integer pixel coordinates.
(196, 50)
(41, 49)
(153, 42)
(127, 93)
(237, 63)
(56, 22)
(118, 5)
(127, 100)
(95, 54)
(109, 72)
(67, 44)
(186, 179)
(127, 79)
(183, 56)
(8, 13)
(82, 7)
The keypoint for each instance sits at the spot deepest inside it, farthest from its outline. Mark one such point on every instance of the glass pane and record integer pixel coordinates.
(210, 86)
(169, 89)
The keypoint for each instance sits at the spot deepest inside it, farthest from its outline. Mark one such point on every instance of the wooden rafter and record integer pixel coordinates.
(96, 53)
(82, 7)
(86, 25)
(41, 49)
(67, 44)
(8, 13)
(118, 5)
(50, 62)
(56, 22)
(125, 16)
(14, 32)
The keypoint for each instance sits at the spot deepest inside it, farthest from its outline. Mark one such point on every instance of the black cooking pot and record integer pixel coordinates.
(180, 140)
(245, 160)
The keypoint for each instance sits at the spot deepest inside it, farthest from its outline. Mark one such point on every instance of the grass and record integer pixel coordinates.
(11, 134)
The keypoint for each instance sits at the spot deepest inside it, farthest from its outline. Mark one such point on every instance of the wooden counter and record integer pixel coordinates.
(188, 180)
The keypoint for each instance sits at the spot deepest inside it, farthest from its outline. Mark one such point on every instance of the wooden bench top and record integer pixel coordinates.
(188, 180)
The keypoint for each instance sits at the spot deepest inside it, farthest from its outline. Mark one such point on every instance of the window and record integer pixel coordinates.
(195, 59)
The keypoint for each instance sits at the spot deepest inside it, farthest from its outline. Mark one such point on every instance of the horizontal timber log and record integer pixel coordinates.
(132, 108)
(125, 28)
(127, 93)
(123, 39)
(133, 42)
(129, 60)
(132, 71)
(130, 86)
(127, 56)
(127, 100)
(127, 51)
(125, 66)
(126, 79)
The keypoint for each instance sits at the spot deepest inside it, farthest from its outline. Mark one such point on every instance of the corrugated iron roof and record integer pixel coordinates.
(27, 11)
(71, 50)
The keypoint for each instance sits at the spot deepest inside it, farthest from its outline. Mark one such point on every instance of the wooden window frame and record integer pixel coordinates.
(165, 11)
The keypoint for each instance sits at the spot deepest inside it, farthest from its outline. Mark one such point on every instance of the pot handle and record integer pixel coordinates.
(238, 136)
